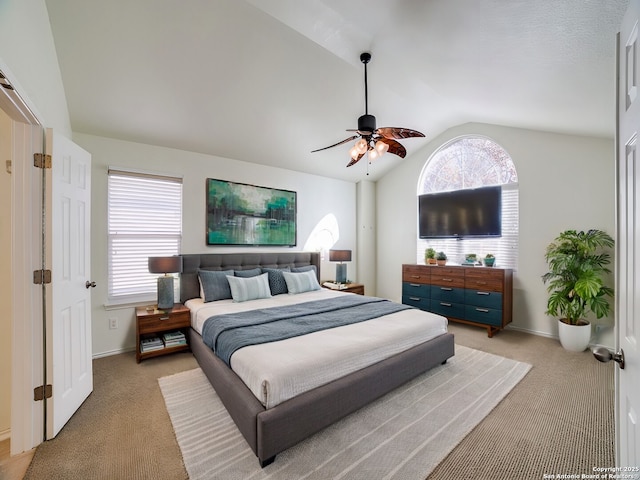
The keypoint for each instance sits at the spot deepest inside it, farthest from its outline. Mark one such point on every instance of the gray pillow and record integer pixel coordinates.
(254, 272)
(276, 279)
(306, 268)
(214, 285)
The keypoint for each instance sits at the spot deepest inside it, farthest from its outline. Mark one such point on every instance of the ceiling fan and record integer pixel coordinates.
(375, 141)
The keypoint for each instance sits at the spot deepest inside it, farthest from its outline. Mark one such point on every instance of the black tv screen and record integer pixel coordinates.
(463, 213)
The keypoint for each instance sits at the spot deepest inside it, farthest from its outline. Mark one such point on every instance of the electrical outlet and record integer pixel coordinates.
(113, 323)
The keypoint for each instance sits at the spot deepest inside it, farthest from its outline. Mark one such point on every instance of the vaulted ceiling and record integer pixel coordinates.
(267, 81)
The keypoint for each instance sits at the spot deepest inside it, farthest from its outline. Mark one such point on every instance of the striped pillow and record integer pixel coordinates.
(301, 282)
(251, 288)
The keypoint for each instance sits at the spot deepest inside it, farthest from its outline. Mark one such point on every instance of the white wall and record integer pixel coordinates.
(564, 182)
(317, 197)
(366, 232)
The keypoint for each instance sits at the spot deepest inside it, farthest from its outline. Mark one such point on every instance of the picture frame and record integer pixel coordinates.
(252, 215)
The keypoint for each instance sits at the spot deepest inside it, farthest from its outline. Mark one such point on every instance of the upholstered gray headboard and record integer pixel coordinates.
(190, 287)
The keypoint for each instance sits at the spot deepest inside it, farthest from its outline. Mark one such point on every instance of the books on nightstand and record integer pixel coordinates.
(150, 344)
(169, 339)
(174, 339)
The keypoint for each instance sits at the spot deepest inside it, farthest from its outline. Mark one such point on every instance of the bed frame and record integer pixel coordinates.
(271, 431)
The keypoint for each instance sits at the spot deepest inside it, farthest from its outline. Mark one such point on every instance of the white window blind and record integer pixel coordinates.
(144, 220)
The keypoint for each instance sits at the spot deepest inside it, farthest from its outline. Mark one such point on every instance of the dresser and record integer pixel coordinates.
(480, 296)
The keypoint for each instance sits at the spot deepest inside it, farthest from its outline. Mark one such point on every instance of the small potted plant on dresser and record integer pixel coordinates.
(430, 256)
(489, 260)
(576, 283)
(441, 258)
(471, 258)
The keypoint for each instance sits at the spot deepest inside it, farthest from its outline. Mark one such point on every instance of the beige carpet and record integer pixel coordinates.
(403, 435)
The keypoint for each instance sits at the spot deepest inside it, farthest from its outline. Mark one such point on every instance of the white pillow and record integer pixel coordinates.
(251, 288)
(301, 282)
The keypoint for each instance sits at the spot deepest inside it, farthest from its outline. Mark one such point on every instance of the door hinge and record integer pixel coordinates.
(42, 392)
(41, 277)
(40, 160)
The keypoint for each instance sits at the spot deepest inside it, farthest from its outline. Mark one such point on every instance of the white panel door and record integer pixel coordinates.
(69, 316)
(628, 244)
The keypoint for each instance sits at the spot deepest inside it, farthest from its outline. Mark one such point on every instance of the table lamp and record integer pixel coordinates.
(166, 265)
(341, 268)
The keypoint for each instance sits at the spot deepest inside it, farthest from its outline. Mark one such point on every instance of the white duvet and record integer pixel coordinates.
(278, 371)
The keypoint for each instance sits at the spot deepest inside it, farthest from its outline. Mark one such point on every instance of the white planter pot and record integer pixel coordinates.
(574, 338)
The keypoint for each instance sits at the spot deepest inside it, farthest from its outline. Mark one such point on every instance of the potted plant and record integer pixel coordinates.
(441, 258)
(489, 260)
(430, 256)
(471, 258)
(576, 283)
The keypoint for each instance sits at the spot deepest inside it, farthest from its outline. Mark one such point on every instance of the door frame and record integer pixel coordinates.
(27, 138)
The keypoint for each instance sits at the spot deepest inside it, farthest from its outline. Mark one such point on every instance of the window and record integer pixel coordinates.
(144, 220)
(472, 162)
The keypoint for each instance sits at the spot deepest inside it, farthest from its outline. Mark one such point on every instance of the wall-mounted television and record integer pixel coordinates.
(462, 213)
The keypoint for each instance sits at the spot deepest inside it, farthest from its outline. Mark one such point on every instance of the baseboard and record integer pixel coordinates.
(5, 435)
(113, 352)
(532, 332)
(548, 335)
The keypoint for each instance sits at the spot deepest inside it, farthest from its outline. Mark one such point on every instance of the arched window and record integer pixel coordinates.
(472, 162)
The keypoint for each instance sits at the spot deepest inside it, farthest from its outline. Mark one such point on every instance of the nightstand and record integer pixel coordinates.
(151, 322)
(356, 288)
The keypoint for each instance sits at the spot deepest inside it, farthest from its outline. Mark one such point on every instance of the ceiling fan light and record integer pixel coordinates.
(361, 146)
(373, 154)
(354, 152)
(381, 147)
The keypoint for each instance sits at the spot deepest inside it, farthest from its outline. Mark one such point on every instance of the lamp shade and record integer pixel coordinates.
(165, 264)
(339, 255)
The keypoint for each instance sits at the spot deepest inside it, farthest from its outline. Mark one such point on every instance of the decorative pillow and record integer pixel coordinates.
(254, 272)
(214, 285)
(276, 280)
(301, 282)
(251, 288)
(306, 268)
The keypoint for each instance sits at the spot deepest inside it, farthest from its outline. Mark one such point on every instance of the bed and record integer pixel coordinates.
(275, 421)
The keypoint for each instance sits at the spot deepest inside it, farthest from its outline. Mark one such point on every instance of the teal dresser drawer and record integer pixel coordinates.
(447, 294)
(488, 316)
(419, 302)
(416, 289)
(447, 309)
(482, 298)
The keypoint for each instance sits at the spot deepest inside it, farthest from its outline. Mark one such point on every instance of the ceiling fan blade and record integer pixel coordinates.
(355, 160)
(394, 147)
(398, 133)
(336, 144)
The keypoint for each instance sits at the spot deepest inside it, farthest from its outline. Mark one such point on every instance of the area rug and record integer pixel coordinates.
(402, 435)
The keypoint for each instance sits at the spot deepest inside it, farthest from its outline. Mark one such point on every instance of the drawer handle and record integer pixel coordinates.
(478, 282)
(414, 284)
(415, 299)
(415, 276)
(445, 304)
(483, 293)
(483, 310)
(446, 289)
(447, 279)
(164, 318)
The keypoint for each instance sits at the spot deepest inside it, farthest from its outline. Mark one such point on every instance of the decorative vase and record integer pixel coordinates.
(574, 338)
(441, 263)
(431, 261)
(488, 262)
